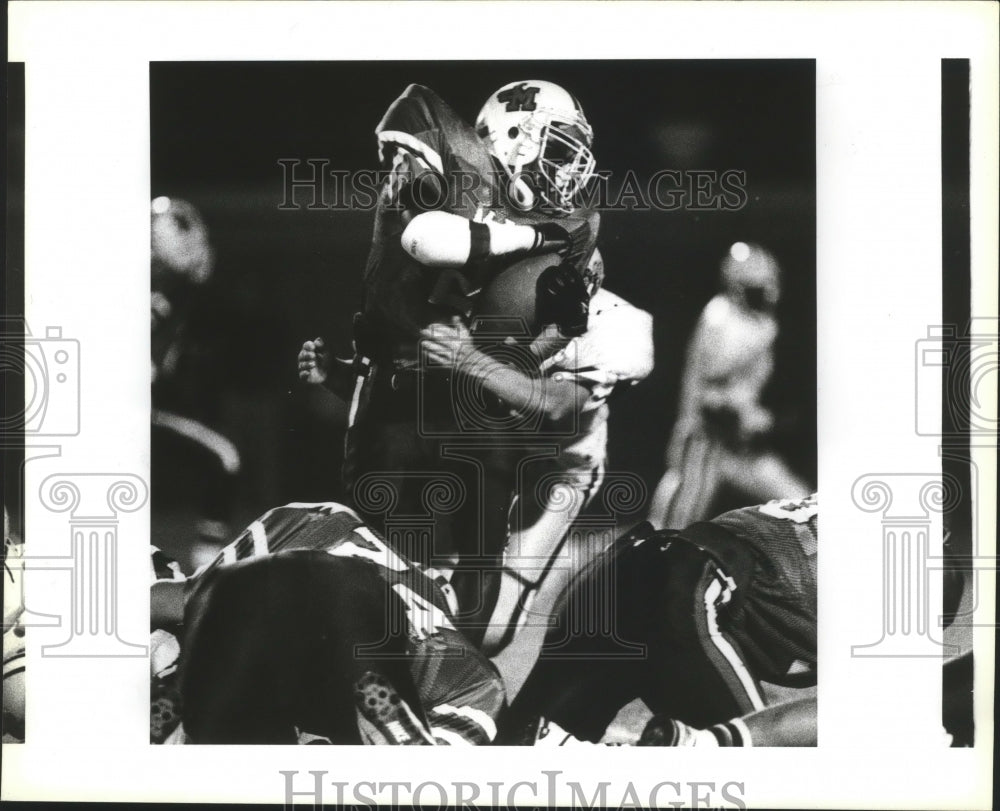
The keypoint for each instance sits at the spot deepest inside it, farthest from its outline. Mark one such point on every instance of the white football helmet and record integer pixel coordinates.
(751, 274)
(539, 134)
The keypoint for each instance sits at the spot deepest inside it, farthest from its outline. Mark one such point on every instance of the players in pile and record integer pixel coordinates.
(721, 437)
(308, 628)
(460, 206)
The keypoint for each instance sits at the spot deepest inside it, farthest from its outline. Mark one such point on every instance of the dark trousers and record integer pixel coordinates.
(435, 491)
(645, 620)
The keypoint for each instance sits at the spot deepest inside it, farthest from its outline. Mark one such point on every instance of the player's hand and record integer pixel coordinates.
(314, 362)
(561, 298)
(550, 341)
(446, 344)
(550, 237)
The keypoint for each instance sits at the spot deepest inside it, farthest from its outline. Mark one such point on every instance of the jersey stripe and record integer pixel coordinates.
(712, 593)
(414, 145)
(259, 536)
(476, 716)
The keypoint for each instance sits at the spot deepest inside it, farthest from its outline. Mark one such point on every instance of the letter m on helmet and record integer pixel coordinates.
(519, 98)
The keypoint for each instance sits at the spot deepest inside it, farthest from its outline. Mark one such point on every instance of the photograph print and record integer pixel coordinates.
(484, 403)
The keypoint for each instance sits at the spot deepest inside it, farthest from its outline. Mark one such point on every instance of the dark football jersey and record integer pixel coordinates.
(776, 620)
(420, 130)
(402, 296)
(460, 690)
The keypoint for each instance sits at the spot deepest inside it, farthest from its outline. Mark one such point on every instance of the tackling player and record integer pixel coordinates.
(308, 628)
(689, 621)
(572, 384)
(719, 439)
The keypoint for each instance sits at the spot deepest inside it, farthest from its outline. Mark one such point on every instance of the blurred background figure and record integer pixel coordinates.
(182, 262)
(721, 441)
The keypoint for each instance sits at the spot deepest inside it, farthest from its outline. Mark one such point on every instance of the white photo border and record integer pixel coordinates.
(879, 268)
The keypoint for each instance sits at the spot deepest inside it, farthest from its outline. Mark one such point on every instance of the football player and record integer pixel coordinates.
(720, 437)
(793, 723)
(689, 621)
(572, 387)
(309, 629)
(459, 204)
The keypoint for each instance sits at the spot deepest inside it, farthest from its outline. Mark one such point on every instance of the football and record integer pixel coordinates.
(507, 302)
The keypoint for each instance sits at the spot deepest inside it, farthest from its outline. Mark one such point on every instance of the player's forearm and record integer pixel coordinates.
(557, 401)
(440, 239)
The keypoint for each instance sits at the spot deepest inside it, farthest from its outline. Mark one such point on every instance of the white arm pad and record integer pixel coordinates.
(440, 239)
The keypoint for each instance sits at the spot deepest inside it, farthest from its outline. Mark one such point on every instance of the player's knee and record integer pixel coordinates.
(687, 576)
(608, 604)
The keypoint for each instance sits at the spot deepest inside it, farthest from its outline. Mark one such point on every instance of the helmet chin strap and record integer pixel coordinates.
(521, 193)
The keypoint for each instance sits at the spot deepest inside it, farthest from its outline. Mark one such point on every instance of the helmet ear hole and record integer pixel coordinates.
(537, 131)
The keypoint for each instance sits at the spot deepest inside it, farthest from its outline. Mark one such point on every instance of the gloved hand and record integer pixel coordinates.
(561, 298)
(550, 237)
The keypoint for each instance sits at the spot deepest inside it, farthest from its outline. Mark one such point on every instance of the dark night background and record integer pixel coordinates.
(12, 309)
(218, 131)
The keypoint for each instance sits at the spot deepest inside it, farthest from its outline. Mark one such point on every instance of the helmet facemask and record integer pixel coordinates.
(565, 164)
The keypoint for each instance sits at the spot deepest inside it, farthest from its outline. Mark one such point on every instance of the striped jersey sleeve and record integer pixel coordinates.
(460, 690)
(303, 526)
(163, 567)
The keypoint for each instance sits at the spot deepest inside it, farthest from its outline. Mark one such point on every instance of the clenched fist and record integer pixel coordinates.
(314, 362)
